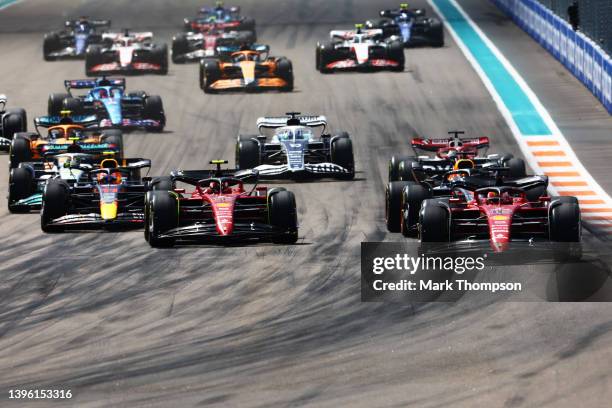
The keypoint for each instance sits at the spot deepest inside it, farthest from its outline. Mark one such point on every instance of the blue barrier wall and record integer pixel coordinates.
(581, 55)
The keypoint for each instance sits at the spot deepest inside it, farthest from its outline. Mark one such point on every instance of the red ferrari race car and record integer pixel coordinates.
(219, 209)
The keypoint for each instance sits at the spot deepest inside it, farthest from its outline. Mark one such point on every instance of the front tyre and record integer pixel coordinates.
(161, 216)
(56, 197)
(283, 215)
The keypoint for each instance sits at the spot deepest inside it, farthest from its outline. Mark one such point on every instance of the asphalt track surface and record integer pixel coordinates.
(124, 325)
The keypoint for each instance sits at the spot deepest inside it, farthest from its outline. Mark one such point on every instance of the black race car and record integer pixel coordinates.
(11, 121)
(73, 40)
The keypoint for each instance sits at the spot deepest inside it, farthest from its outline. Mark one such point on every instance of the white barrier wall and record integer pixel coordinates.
(581, 55)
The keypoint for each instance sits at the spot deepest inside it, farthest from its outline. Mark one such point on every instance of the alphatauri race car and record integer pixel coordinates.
(246, 70)
(12, 121)
(295, 146)
(107, 99)
(219, 209)
(359, 50)
(112, 196)
(411, 25)
(65, 133)
(192, 47)
(228, 18)
(127, 53)
(73, 40)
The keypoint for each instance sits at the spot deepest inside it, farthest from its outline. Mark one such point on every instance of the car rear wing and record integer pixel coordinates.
(92, 83)
(93, 23)
(228, 49)
(49, 121)
(138, 36)
(350, 34)
(433, 145)
(274, 122)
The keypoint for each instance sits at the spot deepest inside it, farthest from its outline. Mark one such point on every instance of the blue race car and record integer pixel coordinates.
(108, 100)
(72, 42)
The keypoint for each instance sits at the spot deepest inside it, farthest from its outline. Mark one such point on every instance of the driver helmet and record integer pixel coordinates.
(403, 6)
(103, 93)
(56, 133)
(492, 197)
(464, 164)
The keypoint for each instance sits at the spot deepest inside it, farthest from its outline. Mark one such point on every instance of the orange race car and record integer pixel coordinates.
(246, 70)
(65, 133)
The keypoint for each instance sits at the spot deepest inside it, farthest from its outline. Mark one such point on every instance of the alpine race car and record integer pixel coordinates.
(111, 197)
(411, 25)
(64, 134)
(359, 50)
(448, 152)
(73, 40)
(246, 70)
(219, 209)
(126, 53)
(500, 215)
(228, 18)
(192, 47)
(111, 104)
(12, 121)
(296, 147)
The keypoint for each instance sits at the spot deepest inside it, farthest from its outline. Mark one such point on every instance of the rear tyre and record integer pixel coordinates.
(15, 121)
(564, 220)
(93, 57)
(55, 201)
(161, 216)
(20, 150)
(210, 72)
(180, 47)
(163, 183)
(73, 105)
(394, 165)
(21, 185)
(324, 56)
(115, 137)
(413, 196)
(55, 103)
(396, 53)
(517, 167)
(51, 43)
(393, 205)
(283, 215)
(434, 222)
(247, 154)
(342, 155)
(154, 109)
(285, 72)
(160, 56)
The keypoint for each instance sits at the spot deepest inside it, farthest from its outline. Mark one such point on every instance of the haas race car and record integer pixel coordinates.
(12, 121)
(296, 147)
(246, 70)
(411, 25)
(219, 209)
(359, 50)
(213, 42)
(107, 99)
(127, 53)
(227, 18)
(72, 42)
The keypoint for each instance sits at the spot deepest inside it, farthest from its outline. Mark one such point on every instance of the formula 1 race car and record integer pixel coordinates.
(192, 47)
(127, 53)
(72, 42)
(219, 209)
(112, 196)
(359, 50)
(500, 215)
(246, 70)
(228, 18)
(296, 147)
(12, 121)
(108, 101)
(64, 134)
(411, 25)
(448, 152)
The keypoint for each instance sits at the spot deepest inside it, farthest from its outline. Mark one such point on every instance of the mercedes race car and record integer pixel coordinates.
(112, 196)
(359, 50)
(296, 147)
(12, 121)
(72, 42)
(64, 134)
(246, 70)
(219, 209)
(214, 42)
(107, 99)
(227, 18)
(127, 53)
(411, 25)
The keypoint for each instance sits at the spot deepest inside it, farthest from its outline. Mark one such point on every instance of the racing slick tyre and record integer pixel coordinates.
(163, 183)
(93, 57)
(21, 185)
(161, 215)
(20, 150)
(395, 52)
(434, 222)
(73, 105)
(115, 137)
(159, 55)
(437, 32)
(342, 155)
(246, 37)
(55, 201)
(394, 165)
(51, 43)
(248, 24)
(180, 47)
(413, 196)
(210, 72)
(283, 214)
(393, 205)
(517, 167)
(154, 109)
(285, 72)
(324, 55)
(247, 154)
(564, 220)
(55, 104)
(13, 122)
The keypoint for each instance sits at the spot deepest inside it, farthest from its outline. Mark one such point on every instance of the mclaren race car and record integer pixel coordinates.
(214, 42)
(411, 25)
(72, 42)
(12, 121)
(127, 53)
(112, 196)
(219, 209)
(246, 70)
(296, 147)
(227, 18)
(359, 50)
(107, 99)
(64, 134)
